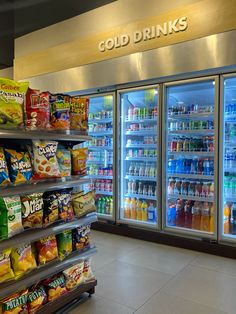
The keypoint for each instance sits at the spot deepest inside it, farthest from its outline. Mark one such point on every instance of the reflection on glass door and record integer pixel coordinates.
(190, 157)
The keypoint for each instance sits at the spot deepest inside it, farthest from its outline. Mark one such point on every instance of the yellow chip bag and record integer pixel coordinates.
(79, 157)
(83, 204)
(6, 271)
(23, 260)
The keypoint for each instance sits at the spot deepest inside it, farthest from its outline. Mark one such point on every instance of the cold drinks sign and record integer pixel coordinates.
(147, 33)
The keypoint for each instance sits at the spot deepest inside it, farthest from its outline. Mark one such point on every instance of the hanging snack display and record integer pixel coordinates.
(10, 216)
(79, 157)
(50, 209)
(46, 249)
(32, 210)
(22, 259)
(45, 159)
(64, 161)
(64, 243)
(11, 103)
(37, 110)
(79, 113)
(65, 208)
(4, 176)
(19, 165)
(15, 304)
(6, 271)
(60, 111)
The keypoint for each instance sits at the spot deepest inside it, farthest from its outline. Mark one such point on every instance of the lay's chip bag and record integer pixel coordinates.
(4, 176)
(12, 98)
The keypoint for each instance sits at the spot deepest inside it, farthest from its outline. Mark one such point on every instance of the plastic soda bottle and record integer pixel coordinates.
(180, 216)
(144, 211)
(226, 218)
(212, 218)
(233, 219)
(205, 217)
(127, 211)
(188, 214)
(196, 216)
(111, 206)
(151, 213)
(133, 206)
(139, 210)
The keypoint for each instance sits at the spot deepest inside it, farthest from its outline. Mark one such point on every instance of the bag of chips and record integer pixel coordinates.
(81, 238)
(32, 210)
(47, 249)
(37, 110)
(64, 161)
(19, 165)
(4, 176)
(15, 304)
(6, 271)
(60, 111)
(10, 216)
(83, 204)
(45, 160)
(12, 97)
(55, 287)
(87, 271)
(74, 275)
(79, 157)
(22, 259)
(79, 113)
(65, 208)
(64, 243)
(50, 209)
(36, 298)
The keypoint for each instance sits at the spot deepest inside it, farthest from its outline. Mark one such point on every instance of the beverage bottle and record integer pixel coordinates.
(136, 169)
(103, 206)
(151, 213)
(146, 172)
(139, 210)
(131, 169)
(145, 190)
(102, 185)
(133, 187)
(205, 217)
(212, 218)
(196, 216)
(133, 208)
(130, 112)
(129, 187)
(226, 186)
(144, 211)
(107, 206)
(180, 216)
(140, 188)
(226, 218)
(141, 170)
(171, 186)
(127, 211)
(171, 214)
(230, 190)
(233, 182)
(135, 113)
(150, 190)
(206, 167)
(111, 206)
(233, 219)
(211, 161)
(188, 214)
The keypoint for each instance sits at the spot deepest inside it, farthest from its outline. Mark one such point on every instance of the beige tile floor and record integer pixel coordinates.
(146, 278)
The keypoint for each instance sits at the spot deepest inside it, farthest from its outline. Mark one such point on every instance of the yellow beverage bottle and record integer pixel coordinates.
(139, 210)
(133, 208)
(212, 218)
(144, 211)
(127, 211)
(205, 217)
(226, 218)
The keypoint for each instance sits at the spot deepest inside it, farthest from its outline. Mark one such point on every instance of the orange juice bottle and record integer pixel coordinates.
(205, 217)
(226, 218)
(196, 216)
(212, 218)
(139, 210)
(127, 211)
(133, 208)
(144, 211)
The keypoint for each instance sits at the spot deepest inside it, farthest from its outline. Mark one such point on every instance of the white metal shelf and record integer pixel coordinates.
(103, 133)
(208, 115)
(141, 145)
(191, 198)
(198, 153)
(204, 132)
(190, 176)
(99, 177)
(146, 197)
(100, 148)
(140, 178)
(153, 159)
(105, 120)
(141, 132)
(141, 120)
(98, 192)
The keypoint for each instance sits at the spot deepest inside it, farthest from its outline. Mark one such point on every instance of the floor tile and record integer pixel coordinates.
(160, 257)
(128, 284)
(102, 258)
(208, 287)
(98, 305)
(225, 265)
(162, 303)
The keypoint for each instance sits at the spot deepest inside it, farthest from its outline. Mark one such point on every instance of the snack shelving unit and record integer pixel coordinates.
(31, 235)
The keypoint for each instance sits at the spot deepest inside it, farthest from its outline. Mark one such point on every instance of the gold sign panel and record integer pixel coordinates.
(185, 23)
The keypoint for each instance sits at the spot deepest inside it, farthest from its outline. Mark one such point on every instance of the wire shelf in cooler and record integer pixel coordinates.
(100, 148)
(141, 120)
(145, 197)
(141, 132)
(141, 158)
(103, 192)
(191, 176)
(99, 162)
(191, 198)
(140, 178)
(99, 177)
(106, 120)
(202, 115)
(204, 132)
(139, 222)
(104, 133)
(141, 145)
(230, 199)
(200, 154)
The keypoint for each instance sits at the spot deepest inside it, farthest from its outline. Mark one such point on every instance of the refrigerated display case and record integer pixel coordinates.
(227, 175)
(138, 166)
(190, 157)
(100, 152)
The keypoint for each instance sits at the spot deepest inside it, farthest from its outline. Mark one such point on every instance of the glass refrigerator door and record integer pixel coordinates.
(100, 152)
(191, 146)
(138, 156)
(228, 161)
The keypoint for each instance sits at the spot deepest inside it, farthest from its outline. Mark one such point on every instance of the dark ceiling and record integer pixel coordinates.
(20, 17)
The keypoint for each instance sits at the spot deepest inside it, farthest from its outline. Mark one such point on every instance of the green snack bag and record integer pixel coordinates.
(10, 216)
(12, 98)
(64, 243)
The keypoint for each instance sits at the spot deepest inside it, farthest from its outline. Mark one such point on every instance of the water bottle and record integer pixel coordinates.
(151, 213)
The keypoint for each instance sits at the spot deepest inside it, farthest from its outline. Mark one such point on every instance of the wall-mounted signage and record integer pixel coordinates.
(147, 33)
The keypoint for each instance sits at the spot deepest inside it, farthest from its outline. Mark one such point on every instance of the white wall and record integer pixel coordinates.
(8, 73)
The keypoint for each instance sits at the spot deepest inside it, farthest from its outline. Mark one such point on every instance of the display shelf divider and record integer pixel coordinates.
(191, 198)
(190, 176)
(43, 272)
(32, 235)
(140, 178)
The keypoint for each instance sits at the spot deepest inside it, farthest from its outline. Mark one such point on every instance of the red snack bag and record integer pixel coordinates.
(37, 110)
(47, 249)
(36, 298)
